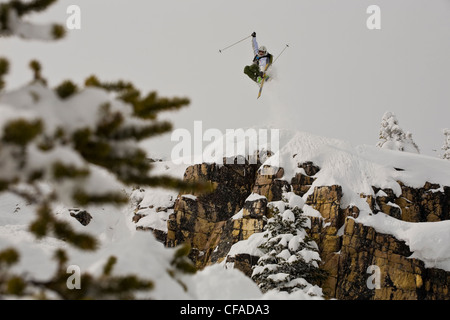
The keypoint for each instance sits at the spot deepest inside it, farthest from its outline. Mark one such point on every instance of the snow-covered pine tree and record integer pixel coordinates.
(290, 260)
(446, 146)
(76, 146)
(393, 137)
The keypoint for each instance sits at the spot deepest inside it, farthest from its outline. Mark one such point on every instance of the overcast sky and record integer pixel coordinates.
(336, 79)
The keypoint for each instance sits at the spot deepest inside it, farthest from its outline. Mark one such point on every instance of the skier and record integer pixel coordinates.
(260, 61)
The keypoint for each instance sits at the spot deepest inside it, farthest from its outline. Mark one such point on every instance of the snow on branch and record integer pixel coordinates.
(12, 22)
(393, 137)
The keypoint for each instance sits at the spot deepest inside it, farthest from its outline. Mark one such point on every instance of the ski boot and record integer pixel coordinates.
(260, 78)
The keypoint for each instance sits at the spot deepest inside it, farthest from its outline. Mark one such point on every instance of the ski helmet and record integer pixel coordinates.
(262, 51)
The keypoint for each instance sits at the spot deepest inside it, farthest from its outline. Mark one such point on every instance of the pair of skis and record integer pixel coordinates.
(262, 81)
(265, 70)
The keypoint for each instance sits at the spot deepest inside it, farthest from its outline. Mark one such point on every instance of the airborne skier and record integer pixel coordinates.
(261, 61)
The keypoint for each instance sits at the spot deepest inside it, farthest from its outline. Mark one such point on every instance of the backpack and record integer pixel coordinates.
(257, 58)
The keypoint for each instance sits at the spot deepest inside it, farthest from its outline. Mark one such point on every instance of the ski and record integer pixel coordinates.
(262, 81)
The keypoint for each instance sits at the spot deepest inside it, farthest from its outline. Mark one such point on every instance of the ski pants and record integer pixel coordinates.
(253, 72)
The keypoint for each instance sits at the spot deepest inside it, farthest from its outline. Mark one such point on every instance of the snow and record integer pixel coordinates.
(282, 239)
(288, 216)
(152, 199)
(309, 293)
(391, 204)
(189, 196)
(309, 255)
(158, 197)
(254, 197)
(238, 215)
(381, 193)
(285, 254)
(156, 221)
(27, 30)
(137, 253)
(294, 243)
(279, 277)
(310, 211)
(294, 200)
(277, 205)
(392, 136)
(268, 267)
(356, 168)
(341, 231)
(155, 204)
(169, 168)
(249, 246)
(37, 100)
(209, 284)
(37, 254)
(78, 112)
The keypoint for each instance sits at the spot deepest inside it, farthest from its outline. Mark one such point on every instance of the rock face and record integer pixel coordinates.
(270, 186)
(427, 204)
(212, 223)
(347, 255)
(202, 221)
(401, 278)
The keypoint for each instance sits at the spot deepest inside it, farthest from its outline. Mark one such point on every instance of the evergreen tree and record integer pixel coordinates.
(446, 146)
(76, 145)
(290, 259)
(393, 137)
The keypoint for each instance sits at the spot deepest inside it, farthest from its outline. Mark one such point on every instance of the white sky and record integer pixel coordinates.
(336, 79)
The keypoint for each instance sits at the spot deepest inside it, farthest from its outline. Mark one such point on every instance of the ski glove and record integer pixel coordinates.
(254, 34)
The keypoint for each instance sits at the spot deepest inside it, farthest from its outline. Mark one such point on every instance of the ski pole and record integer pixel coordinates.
(231, 45)
(287, 46)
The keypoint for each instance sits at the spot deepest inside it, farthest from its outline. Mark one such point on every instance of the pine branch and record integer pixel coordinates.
(151, 105)
(141, 132)
(30, 6)
(4, 69)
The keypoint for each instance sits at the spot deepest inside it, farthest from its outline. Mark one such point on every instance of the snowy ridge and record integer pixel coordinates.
(357, 169)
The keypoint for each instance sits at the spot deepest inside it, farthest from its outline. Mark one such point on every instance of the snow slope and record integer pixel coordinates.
(137, 253)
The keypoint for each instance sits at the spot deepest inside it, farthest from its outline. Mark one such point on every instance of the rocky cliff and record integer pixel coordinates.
(237, 208)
